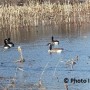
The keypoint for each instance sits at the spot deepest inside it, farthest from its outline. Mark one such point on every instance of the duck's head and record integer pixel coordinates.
(52, 38)
(9, 39)
(5, 41)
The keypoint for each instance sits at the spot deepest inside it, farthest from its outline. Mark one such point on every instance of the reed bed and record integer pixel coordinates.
(16, 17)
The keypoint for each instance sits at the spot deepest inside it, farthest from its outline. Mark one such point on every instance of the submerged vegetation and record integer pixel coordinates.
(35, 14)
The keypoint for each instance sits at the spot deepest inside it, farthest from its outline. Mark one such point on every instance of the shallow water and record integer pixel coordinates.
(26, 76)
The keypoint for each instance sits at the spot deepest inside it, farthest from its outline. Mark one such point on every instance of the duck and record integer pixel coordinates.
(55, 42)
(54, 50)
(6, 46)
(11, 44)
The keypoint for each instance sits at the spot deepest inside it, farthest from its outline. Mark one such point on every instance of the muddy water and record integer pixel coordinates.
(51, 69)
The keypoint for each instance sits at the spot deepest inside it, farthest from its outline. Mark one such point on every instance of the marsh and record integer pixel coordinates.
(39, 64)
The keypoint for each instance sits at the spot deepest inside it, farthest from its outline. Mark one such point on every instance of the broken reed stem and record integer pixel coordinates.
(21, 55)
(56, 67)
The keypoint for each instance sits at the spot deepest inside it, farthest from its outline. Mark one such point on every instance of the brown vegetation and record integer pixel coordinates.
(15, 17)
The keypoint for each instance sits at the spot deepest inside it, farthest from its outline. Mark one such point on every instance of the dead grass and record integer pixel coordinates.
(14, 17)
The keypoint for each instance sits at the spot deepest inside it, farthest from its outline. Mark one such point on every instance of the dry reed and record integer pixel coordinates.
(16, 17)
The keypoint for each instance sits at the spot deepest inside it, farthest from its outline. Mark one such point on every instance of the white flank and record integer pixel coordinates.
(10, 45)
(56, 43)
(54, 51)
